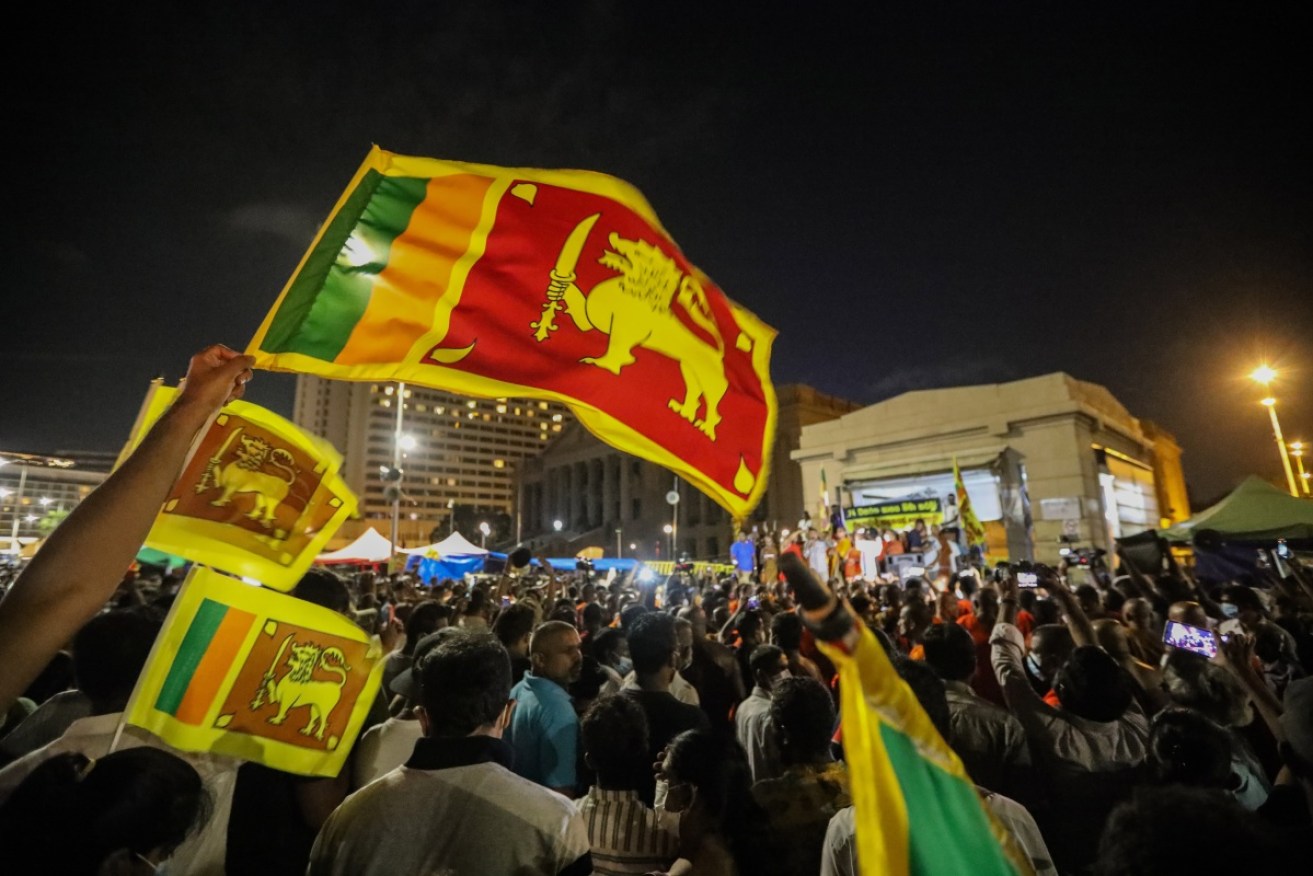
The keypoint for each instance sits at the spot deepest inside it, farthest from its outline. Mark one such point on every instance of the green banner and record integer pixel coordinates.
(895, 514)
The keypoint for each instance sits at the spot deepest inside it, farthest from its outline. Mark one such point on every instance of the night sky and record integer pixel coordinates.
(933, 197)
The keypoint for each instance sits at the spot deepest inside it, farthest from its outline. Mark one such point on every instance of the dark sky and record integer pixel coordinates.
(931, 197)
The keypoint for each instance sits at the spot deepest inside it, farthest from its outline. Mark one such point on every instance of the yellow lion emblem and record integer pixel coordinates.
(636, 309)
(298, 687)
(246, 475)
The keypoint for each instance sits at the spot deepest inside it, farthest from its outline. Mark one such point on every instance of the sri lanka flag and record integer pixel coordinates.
(257, 675)
(917, 811)
(547, 284)
(971, 526)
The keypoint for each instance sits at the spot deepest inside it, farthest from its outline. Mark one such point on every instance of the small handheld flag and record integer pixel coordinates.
(246, 672)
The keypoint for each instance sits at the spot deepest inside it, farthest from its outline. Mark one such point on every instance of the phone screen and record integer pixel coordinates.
(1027, 579)
(1188, 638)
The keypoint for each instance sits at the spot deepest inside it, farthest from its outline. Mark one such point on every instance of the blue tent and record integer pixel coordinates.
(446, 567)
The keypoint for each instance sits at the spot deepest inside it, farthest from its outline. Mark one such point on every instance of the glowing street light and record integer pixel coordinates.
(407, 442)
(670, 531)
(486, 530)
(1264, 374)
(558, 525)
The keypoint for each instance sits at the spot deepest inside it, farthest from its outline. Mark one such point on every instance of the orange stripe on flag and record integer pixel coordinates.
(209, 675)
(418, 272)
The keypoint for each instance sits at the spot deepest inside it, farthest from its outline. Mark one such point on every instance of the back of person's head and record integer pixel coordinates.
(950, 651)
(324, 588)
(1176, 829)
(653, 642)
(1091, 685)
(108, 655)
(592, 615)
(615, 742)
(1089, 597)
(1111, 637)
(1051, 644)
(73, 814)
(513, 624)
(1194, 682)
(464, 684)
(1271, 645)
(765, 658)
(1188, 749)
(1186, 611)
(802, 714)
(1138, 611)
(608, 644)
(631, 613)
(1113, 600)
(786, 631)
(928, 688)
(427, 617)
(717, 768)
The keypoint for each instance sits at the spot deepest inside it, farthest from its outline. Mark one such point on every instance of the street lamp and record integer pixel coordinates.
(1297, 451)
(407, 442)
(557, 525)
(1264, 375)
(670, 531)
(486, 530)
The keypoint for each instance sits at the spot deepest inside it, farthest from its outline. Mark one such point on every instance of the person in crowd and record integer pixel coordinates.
(654, 646)
(914, 619)
(1092, 748)
(709, 792)
(479, 817)
(813, 786)
(713, 672)
(1185, 748)
(1112, 637)
(988, 738)
(625, 833)
(769, 562)
(680, 688)
(979, 623)
(1144, 638)
(514, 628)
(918, 537)
(1207, 688)
(1050, 647)
(752, 720)
(425, 618)
(123, 813)
(786, 634)
(1182, 829)
(384, 747)
(817, 553)
(610, 647)
(544, 729)
(744, 553)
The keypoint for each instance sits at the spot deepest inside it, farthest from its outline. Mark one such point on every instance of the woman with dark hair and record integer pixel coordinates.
(709, 787)
(124, 813)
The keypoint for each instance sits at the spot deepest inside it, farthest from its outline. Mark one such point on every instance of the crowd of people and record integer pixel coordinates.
(547, 723)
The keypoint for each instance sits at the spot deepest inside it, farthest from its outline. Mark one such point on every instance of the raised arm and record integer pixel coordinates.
(83, 561)
(1082, 631)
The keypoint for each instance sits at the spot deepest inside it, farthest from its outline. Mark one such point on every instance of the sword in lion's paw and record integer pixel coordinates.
(561, 277)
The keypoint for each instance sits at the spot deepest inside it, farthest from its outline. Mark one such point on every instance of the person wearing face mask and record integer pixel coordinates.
(708, 802)
(752, 724)
(680, 689)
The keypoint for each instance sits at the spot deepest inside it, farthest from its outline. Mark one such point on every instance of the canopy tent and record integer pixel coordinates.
(1254, 511)
(454, 545)
(370, 547)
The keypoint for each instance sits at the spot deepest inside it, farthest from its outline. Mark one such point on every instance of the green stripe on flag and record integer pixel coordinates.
(190, 652)
(332, 290)
(941, 805)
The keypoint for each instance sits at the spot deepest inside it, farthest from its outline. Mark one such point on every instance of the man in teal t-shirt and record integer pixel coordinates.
(544, 728)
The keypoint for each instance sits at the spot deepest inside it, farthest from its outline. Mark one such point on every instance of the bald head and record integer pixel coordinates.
(1111, 637)
(1138, 612)
(556, 652)
(1191, 613)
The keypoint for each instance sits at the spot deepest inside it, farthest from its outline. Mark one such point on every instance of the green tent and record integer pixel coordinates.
(1254, 511)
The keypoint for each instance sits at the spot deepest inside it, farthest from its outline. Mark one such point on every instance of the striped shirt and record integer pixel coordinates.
(624, 834)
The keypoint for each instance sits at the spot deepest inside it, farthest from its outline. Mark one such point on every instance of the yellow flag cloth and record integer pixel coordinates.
(258, 498)
(256, 675)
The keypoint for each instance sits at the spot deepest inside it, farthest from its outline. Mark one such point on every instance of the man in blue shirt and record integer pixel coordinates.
(745, 557)
(544, 730)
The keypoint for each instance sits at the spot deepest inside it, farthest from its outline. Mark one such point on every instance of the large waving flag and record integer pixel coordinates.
(257, 675)
(971, 526)
(544, 284)
(917, 811)
(258, 497)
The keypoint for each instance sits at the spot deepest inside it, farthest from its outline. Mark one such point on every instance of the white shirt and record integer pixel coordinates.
(753, 730)
(680, 689)
(204, 849)
(871, 551)
(384, 748)
(818, 558)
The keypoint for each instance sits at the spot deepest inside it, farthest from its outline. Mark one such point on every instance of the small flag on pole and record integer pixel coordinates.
(548, 284)
(971, 526)
(258, 498)
(257, 675)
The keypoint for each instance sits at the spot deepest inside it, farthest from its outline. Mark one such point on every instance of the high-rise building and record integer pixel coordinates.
(36, 492)
(458, 453)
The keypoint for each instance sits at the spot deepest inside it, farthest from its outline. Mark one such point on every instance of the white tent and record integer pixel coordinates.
(454, 545)
(369, 548)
